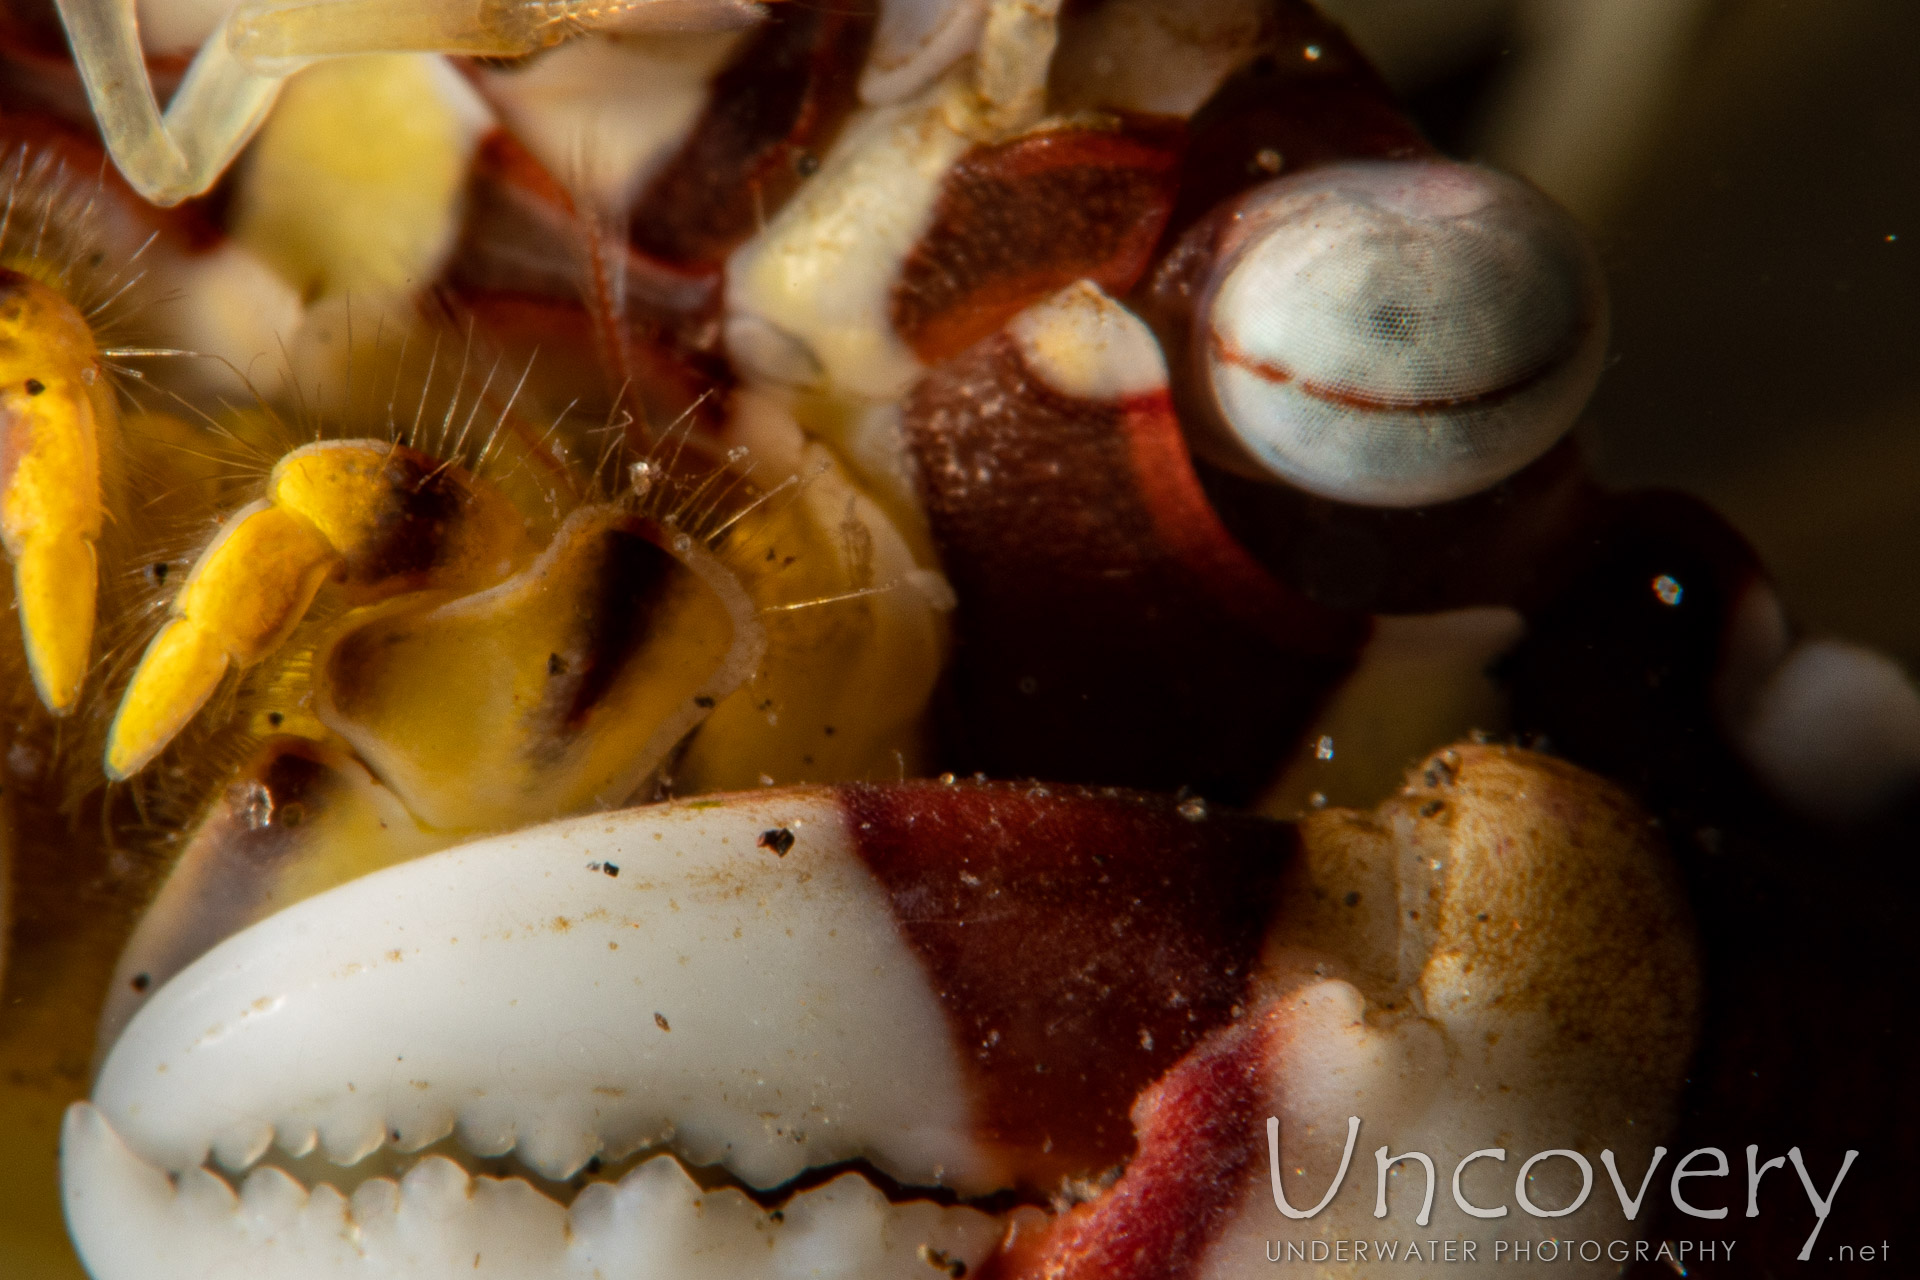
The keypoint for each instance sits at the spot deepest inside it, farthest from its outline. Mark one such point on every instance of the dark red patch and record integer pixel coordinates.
(44, 116)
(1081, 943)
(1200, 1144)
(1227, 352)
(1019, 220)
(1311, 100)
(774, 112)
(1450, 555)
(523, 234)
(1113, 631)
(1618, 679)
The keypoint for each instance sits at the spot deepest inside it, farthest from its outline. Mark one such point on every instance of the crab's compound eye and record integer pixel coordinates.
(1395, 333)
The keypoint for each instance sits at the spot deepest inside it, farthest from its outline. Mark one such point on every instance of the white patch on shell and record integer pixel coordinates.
(231, 307)
(808, 299)
(1417, 1085)
(1420, 683)
(1157, 57)
(1083, 344)
(1437, 979)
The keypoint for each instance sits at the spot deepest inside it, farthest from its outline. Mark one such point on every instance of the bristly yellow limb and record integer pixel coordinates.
(51, 406)
(377, 518)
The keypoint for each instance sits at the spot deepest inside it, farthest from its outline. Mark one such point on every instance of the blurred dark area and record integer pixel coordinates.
(1751, 169)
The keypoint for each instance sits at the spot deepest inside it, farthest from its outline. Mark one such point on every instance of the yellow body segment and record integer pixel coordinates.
(354, 184)
(399, 518)
(576, 678)
(380, 517)
(856, 637)
(51, 405)
(254, 583)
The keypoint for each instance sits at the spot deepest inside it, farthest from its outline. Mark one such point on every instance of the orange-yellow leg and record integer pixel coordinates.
(376, 517)
(50, 409)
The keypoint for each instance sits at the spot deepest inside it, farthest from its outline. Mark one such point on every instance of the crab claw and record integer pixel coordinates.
(923, 979)
(861, 1030)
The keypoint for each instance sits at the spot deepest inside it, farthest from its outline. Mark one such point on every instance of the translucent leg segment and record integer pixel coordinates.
(218, 106)
(233, 80)
(268, 32)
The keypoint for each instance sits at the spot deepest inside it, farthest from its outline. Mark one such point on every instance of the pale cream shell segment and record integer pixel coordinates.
(511, 988)
(1421, 683)
(1158, 57)
(808, 300)
(1834, 730)
(1083, 344)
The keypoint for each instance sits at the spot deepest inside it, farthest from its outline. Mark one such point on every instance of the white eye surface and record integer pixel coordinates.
(1394, 333)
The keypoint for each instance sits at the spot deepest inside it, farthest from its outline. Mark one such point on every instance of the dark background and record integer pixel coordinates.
(1751, 169)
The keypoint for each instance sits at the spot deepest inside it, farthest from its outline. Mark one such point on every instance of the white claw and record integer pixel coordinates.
(240, 1146)
(655, 1224)
(523, 993)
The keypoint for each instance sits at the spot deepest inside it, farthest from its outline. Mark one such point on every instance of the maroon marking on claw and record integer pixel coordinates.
(1200, 1147)
(774, 111)
(1019, 220)
(1081, 942)
(1113, 630)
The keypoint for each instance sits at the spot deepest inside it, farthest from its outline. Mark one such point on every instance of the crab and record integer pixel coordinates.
(1128, 405)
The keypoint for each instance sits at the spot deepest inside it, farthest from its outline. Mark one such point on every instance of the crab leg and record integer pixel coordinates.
(167, 158)
(234, 79)
(383, 517)
(50, 509)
